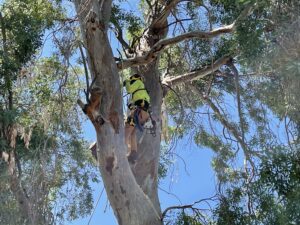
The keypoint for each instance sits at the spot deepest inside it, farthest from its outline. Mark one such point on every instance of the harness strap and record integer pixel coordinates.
(153, 129)
(134, 121)
(141, 89)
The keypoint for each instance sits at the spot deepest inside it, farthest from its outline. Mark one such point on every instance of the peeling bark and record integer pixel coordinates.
(130, 204)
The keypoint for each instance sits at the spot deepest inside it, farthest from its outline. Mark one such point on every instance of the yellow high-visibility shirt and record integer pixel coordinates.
(137, 91)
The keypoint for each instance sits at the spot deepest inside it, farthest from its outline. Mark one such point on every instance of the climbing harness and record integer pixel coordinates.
(149, 125)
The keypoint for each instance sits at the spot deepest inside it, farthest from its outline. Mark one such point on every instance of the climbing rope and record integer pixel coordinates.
(95, 206)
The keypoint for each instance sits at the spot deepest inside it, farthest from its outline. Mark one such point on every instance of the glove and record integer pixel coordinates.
(124, 83)
(130, 106)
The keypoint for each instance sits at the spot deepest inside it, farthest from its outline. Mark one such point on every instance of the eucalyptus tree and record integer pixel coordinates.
(21, 30)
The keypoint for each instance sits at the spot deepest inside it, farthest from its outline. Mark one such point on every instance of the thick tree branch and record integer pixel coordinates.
(163, 44)
(154, 52)
(3, 31)
(15, 185)
(88, 9)
(85, 72)
(171, 81)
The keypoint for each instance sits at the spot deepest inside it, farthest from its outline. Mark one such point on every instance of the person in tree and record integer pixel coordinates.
(138, 106)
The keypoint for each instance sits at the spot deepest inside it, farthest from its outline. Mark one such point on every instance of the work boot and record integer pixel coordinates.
(132, 157)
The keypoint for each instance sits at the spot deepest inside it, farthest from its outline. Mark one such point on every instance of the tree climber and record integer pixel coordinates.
(138, 116)
(138, 106)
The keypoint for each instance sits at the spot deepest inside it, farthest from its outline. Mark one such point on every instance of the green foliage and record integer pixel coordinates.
(165, 162)
(185, 219)
(171, 61)
(22, 26)
(57, 155)
(274, 195)
(230, 211)
(52, 154)
(127, 20)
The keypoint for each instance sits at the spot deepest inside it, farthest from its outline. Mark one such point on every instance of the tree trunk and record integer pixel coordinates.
(16, 188)
(130, 204)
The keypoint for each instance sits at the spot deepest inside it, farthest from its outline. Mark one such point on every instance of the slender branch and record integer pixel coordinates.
(225, 123)
(177, 21)
(189, 206)
(209, 16)
(171, 81)
(180, 23)
(85, 72)
(241, 118)
(246, 12)
(172, 194)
